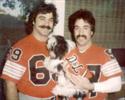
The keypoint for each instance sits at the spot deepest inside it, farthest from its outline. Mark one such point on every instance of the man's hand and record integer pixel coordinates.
(81, 82)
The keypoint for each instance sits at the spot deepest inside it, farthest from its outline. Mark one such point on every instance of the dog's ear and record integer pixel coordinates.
(71, 45)
(51, 42)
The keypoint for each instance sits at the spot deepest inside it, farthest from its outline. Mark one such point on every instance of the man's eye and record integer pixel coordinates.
(42, 18)
(86, 27)
(76, 28)
(51, 20)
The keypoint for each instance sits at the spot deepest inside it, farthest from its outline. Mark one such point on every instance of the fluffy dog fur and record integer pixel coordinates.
(60, 47)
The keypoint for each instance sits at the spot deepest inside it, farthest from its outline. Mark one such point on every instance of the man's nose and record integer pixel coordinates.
(81, 31)
(47, 22)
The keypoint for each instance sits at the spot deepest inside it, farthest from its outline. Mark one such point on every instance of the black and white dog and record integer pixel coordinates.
(58, 47)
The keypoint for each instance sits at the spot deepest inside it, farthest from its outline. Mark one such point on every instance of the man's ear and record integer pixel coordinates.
(92, 33)
(33, 22)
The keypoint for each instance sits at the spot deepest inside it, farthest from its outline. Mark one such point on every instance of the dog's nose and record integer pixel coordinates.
(59, 68)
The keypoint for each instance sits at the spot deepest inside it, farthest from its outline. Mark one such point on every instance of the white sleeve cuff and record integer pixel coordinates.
(108, 86)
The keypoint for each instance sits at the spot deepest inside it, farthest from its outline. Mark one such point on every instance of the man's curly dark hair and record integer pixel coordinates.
(41, 8)
(81, 14)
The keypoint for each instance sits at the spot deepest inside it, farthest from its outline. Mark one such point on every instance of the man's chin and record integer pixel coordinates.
(45, 33)
(81, 39)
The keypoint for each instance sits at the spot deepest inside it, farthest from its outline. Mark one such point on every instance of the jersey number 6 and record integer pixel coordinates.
(34, 71)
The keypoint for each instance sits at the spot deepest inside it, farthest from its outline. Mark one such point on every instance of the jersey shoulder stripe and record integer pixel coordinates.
(13, 70)
(111, 68)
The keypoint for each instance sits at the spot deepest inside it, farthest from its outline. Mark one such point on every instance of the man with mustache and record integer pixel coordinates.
(25, 76)
(99, 61)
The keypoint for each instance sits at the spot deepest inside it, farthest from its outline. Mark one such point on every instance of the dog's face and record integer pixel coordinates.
(51, 43)
(57, 46)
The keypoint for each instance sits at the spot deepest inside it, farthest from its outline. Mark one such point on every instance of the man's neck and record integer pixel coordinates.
(83, 48)
(40, 37)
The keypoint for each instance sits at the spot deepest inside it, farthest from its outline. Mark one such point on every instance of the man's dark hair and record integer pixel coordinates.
(41, 8)
(81, 14)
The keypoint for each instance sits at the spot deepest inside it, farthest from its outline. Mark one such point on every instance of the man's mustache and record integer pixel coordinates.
(84, 36)
(48, 27)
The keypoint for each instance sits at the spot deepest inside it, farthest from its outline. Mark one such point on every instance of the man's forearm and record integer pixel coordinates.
(11, 91)
(108, 86)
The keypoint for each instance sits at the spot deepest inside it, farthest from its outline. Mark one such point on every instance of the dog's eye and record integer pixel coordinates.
(51, 49)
